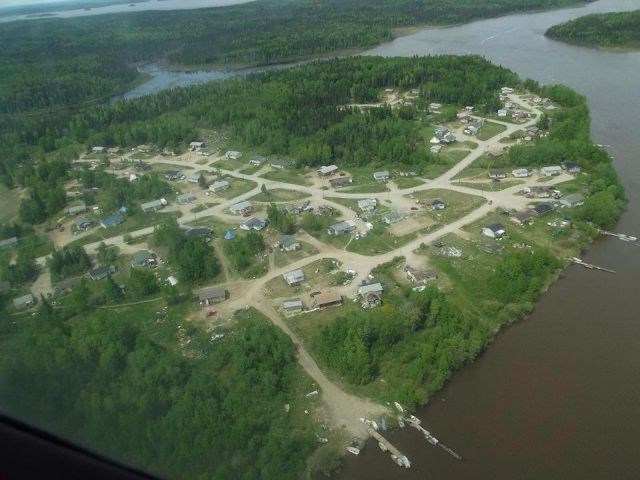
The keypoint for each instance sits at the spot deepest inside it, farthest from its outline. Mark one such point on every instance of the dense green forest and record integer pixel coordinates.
(128, 386)
(619, 29)
(66, 62)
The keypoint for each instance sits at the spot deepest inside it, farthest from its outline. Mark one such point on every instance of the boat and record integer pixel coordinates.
(354, 450)
(627, 238)
(401, 421)
(397, 460)
(382, 446)
(398, 407)
(431, 439)
(405, 462)
(415, 419)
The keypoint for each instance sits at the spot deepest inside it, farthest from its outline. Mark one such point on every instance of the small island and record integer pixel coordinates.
(607, 30)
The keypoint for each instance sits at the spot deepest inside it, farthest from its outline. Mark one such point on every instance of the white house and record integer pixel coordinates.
(185, 198)
(382, 176)
(551, 170)
(521, 172)
(253, 224)
(241, 208)
(341, 227)
(370, 288)
(196, 145)
(502, 112)
(193, 177)
(327, 170)
(367, 204)
(294, 277)
(154, 205)
(233, 155)
(573, 200)
(219, 186)
(494, 230)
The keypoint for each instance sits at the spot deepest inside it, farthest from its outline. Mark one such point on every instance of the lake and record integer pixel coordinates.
(556, 395)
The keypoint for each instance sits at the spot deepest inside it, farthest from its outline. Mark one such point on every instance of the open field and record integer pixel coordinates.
(287, 176)
(279, 195)
(489, 130)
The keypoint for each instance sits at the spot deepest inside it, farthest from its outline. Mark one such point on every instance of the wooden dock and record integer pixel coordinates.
(578, 261)
(400, 458)
(431, 438)
(622, 236)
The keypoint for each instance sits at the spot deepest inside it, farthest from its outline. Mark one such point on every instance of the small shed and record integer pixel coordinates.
(292, 305)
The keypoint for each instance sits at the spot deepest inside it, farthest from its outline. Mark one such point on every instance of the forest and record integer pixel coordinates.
(56, 64)
(123, 385)
(615, 30)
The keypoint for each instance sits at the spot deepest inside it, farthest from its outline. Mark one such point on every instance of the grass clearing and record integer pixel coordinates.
(250, 170)
(287, 176)
(458, 204)
(407, 182)
(489, 130)
(378, 240)
(237, 186)
(10, 201)
(491, 186)
(227, 164)
(279, 195)
(281, 258)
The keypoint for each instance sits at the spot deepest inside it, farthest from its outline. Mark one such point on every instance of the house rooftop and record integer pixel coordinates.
(327, 298)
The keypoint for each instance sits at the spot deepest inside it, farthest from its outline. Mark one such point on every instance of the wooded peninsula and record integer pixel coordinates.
(608, 30)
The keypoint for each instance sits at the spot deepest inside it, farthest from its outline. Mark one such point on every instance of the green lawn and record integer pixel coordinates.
(10, 202)
(227, 164)
(490, 129)
(237, 186)
(251, 169)
(280, 259)
(363, 181)
(490, 186)
(407, 182)
(458, 204)
(287, 176)
(378, 240)
(280, 195)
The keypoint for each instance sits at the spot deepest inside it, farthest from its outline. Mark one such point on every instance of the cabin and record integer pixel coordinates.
(279, 163)
(391, 218)
(502, 112)
(114, 150)
(101, 272)
(327, 170)
(340, 182)
(435, 149)
(257, 160)
(573, 200)
(8, 243)
(294, 277)
(494, 230)
(241, 208)
(551, 170)
(326, 299)
(99, 149)
(367, 288)
(173, 175)
(435, 106)
(292, 305)
(195, 146)
(522, 172)
(367, 204)
(570, 167)
(194, 177)
(210, 295)
(522, 218)
(111, 220)
(341, 227)
(204, 233)
(233, 155)
(253, 224)
(24, 301)
(497, 174)
(153, 206)
(185, 198)
(143, 258)
(543, 208)
(419, 276)
(287, 243)
(219, 186)
(437, 204)
(382, 176)
(471, 130)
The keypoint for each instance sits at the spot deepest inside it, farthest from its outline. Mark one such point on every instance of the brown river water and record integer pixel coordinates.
(557, 396)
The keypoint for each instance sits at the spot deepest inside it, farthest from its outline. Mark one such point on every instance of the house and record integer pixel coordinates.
(171, 280)
(341, 227)
(8, 243)
(324, 171)
(101, 272)
(441, 132)
(241, 208)
(448, 138)
(279, 163)
(185, 198)
(219, 186)
(253, 224)
(143, 148)
(391, 218)
(523, 217)
(570, 167)
(293, 305)
(367, 204)
(205, 152)
(294, 277)
(80, 224)
(551, 170)
(233, 155)
(173, 175)
(371, 300)
(194, 146)
(573, 200)
(76, 209)
(257, 160)
(340, 181)
(141, 166)
(382, 176)
(494, 230)
(66, 284)
(24, 301)
(522, 172)
(99, 149)
(199, 232)
(111, 220)
(210, 295)
(287, 243)
(143, 258)
(368, 288)
(435, 106)
(533, 131)
(419, 276)
(327, 299)
(502, 112)
(471, 130)
(194, 177)
(538, 191)
(506, 90)
(438, 204)
(543, 208)
(435, 149)
(494, 174)
(114, 150)
(153, 206)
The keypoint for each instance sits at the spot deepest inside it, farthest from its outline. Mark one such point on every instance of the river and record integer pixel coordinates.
(556, 395)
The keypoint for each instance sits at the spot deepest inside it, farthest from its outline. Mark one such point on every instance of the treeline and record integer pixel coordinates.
(209, 410)
(618, 29)
(59, 63)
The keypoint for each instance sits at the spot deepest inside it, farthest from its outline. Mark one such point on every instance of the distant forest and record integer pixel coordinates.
(54, 63)
(621, 30)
